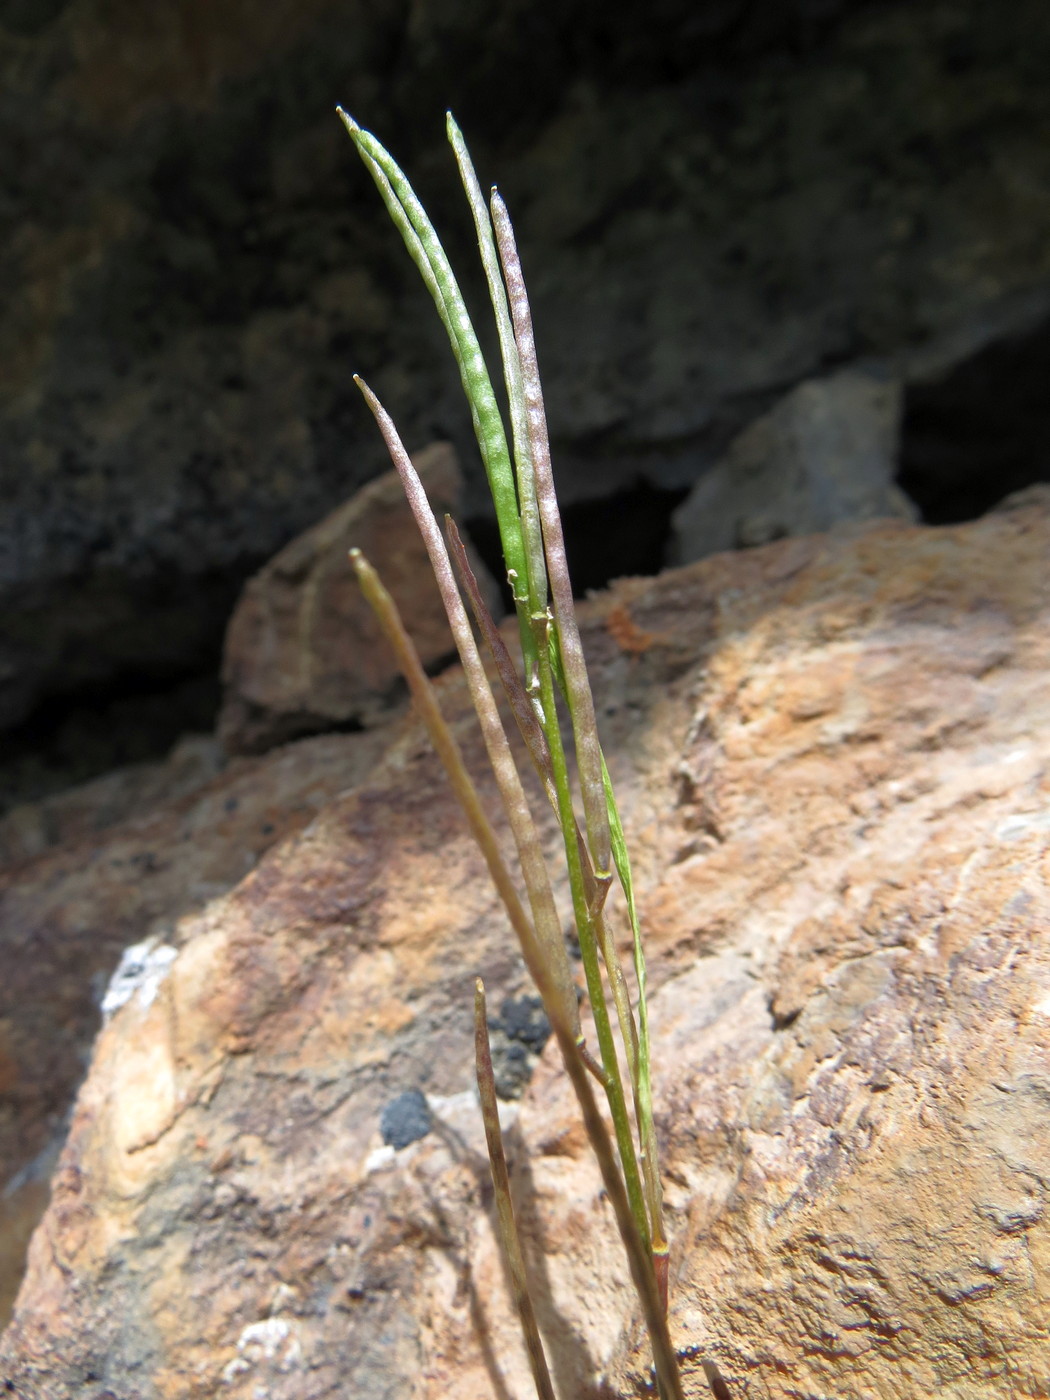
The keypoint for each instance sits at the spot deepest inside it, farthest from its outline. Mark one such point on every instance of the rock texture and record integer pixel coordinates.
(303, 652)
(714, 203)
(826, 455)
(834, 756)
(114, 863)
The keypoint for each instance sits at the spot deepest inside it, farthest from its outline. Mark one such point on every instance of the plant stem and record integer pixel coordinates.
(642, 1079)
(444, 742)
(586, 895)
(506, 1224)
(583, 911)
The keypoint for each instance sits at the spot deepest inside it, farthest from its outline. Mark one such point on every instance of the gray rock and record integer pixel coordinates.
(512, 1066)
(825, 455)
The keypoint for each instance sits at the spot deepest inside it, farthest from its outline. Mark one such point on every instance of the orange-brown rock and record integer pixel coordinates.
(834, 760)
(119, 861)
(303, 652)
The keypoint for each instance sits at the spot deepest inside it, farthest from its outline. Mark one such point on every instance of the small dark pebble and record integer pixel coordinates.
(405, 1119)
(524, 1020)
(511, 1069)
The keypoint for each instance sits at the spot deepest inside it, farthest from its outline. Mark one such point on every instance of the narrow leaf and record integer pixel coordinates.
(578, 691)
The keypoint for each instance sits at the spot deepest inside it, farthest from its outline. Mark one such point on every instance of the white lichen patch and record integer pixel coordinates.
(379, 1159)
(272, 1342)
(143, 967)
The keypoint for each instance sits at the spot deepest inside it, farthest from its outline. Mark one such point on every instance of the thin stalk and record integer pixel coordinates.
(643, 1081)
(578, 691)
(621, 996)
(506, 1224)
(539, 750)
(448, 750)
(667, 1375)
(425, 249)
(583, 914)
(526, 838)
(517, 697)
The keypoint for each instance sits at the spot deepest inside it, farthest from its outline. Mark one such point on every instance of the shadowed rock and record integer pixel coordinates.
(303, 652)
(826, 455)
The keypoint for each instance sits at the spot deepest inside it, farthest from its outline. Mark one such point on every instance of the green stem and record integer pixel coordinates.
(642, 1082)
(588, 944)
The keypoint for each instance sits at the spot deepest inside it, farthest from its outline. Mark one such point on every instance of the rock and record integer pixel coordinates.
(121, 861)
(193, 261)
(824, 456)
(833, 758)
(303, 652)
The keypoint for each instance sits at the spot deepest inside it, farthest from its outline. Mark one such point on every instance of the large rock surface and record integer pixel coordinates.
(714, 203)
(833, 755)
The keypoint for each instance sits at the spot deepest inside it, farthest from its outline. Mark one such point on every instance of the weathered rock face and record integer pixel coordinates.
(303, 652)
(118, 862)
(714, 203)
(833, 755)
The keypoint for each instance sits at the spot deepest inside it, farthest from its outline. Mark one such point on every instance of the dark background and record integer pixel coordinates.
(714, 201)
